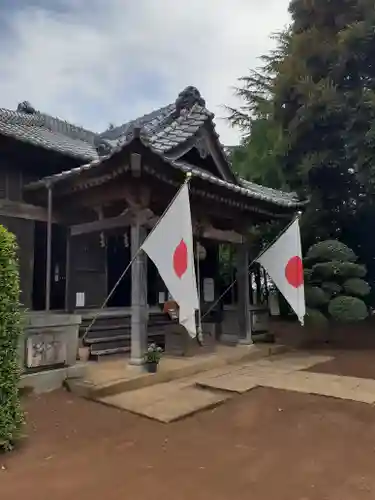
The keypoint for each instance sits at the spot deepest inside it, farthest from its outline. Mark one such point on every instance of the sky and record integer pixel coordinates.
(95, 62)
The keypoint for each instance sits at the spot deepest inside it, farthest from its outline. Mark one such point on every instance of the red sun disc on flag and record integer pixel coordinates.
(180, 259)
(294, 272)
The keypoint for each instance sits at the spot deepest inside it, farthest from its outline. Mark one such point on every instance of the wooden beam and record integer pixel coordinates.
(123, 220)
(212, 233)
(22, 210)
(144, 217)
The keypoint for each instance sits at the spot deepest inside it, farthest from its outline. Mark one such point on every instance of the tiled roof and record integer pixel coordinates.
(161, 131)
(164, 128)
(167, 127)
(245, 188)
(47, 132)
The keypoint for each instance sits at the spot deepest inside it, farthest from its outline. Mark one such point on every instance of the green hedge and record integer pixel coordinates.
(331, 288)
(11, 416)
(337, 269)
(347, 309)
(330, 250)
(357, 287)
(315, 318)
(315, 297)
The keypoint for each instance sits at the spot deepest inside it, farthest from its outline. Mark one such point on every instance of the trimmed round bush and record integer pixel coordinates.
(315, 318)
(345, 309)
(356, 287)
(330, 250)
(307, 274)
(315, 297)
(331, 288)
(337, 269)
(11, 416)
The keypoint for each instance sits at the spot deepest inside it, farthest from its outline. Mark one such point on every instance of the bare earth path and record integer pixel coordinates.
(266, 444)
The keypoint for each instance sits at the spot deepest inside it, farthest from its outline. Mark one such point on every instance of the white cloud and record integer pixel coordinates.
(98, 63)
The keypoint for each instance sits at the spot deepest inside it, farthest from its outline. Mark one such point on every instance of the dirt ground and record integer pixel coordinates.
(352, 346)
(265, 445)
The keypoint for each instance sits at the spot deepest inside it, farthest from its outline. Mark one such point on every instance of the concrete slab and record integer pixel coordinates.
(232, 382)
(291, 361)
(335, 386)
(114, 377)
(170, 402)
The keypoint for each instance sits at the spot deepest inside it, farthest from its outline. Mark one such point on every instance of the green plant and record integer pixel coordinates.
(356, 287)
(335, 287)
(315, 296)
(337, 269)
(315, 318)
(11, 415)
(331, 288)
(347, 309)
(153, 354)
(330, 250)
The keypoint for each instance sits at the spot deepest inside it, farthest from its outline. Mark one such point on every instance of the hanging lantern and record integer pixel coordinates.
(201, 251)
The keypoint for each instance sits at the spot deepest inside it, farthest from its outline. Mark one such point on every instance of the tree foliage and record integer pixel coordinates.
(308, 120)
(11, 417)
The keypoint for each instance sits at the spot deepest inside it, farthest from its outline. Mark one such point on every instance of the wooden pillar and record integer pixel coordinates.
(69, 293)
(244, 318)
(49, 250)
(139, 312)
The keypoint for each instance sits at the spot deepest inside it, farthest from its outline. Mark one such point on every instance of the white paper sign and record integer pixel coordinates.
(80, 299)
(161, 297)
(208, 290)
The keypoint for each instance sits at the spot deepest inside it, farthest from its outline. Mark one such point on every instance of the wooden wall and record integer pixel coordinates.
(88, 269)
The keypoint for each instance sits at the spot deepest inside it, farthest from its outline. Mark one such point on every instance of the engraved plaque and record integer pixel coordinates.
(45, 349)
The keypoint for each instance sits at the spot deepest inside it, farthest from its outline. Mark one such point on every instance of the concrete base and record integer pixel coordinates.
(50, 380)
(110, 378)
(49, 339)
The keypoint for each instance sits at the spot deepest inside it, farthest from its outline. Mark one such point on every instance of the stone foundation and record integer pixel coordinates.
(49, 340)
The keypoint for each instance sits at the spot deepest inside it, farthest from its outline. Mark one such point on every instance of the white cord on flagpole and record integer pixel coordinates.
(88, 328)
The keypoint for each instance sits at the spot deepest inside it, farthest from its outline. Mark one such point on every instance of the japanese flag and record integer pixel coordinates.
(283, 263)
(170, 247)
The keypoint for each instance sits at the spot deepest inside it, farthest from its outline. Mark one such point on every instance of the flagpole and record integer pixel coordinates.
(88, 328)
(199, 333)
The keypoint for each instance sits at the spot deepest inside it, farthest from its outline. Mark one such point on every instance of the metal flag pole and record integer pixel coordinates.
(199, 332)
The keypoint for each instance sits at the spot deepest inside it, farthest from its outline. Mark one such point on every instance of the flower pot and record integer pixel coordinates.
(152, 367)
(83, 353)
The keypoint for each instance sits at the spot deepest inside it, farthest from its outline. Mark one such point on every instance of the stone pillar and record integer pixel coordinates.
(139, 312)
(244, 317)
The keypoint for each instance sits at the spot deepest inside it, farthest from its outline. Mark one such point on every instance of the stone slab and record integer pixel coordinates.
(336, 386)
(291, 361)
(232, 382)
(166, 404)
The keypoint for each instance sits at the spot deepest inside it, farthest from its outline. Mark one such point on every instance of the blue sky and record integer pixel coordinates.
(93, 62)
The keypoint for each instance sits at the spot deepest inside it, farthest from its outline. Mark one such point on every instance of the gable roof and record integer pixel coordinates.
(167, 127)
(249, 190)
(166, 131)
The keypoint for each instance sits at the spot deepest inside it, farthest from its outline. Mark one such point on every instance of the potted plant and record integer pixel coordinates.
(152, 358)
(83, 351)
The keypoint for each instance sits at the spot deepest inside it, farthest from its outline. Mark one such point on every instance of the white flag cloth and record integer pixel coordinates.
(170, 247)
(283, 263)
